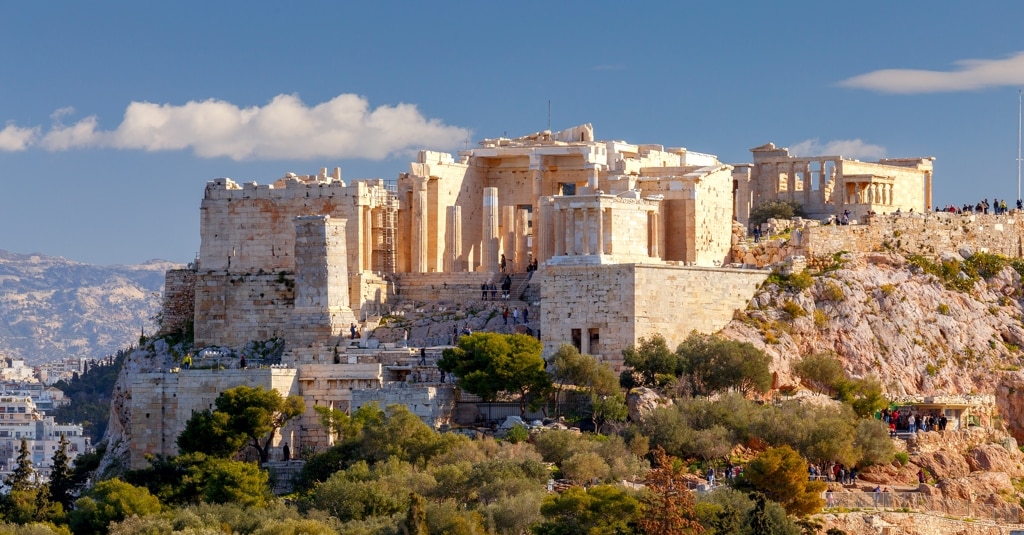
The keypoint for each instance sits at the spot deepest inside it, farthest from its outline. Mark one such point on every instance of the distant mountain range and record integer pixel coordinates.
(51, 307)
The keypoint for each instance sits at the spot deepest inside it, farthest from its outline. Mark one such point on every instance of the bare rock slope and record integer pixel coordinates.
(883, 314)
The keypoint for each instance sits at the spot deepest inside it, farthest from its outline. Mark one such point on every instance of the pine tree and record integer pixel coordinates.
(23, 476)
(61, 484)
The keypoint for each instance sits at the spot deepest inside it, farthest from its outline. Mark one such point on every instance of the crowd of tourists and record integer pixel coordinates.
(997, 207)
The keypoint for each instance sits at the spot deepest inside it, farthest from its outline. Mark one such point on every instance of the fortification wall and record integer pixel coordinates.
(332, 386)
(928, 233)
(162, 403)
(178, 309)
(910, 233)
(248, 228)
(232, 309)
(674, 301)
(434, 404)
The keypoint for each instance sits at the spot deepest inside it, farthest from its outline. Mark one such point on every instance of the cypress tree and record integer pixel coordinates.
(61, 484)
(23, 476)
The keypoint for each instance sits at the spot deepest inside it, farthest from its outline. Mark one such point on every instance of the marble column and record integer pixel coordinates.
(522, 240)
(453, 241)
(558, 216)
(489, 261)
(419, 226)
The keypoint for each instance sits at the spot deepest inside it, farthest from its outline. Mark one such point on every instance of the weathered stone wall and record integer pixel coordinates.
(178, 309)
(232, 309)
(331, 385)
(162, 403)
(248, 228)
(712, 217)
(674, 301)
(604, 309)
(929, 233)
(434, 404)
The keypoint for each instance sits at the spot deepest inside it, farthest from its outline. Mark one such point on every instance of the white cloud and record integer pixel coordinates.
(15, 139)
(848, 148)
(971, 74)
(285, 128)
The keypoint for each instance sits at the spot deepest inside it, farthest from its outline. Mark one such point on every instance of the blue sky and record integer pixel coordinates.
(113, 115)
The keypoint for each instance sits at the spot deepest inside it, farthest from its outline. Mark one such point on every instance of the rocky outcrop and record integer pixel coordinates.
(883, 315)
(642, 400)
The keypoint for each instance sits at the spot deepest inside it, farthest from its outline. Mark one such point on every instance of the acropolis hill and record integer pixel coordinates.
(628, 240)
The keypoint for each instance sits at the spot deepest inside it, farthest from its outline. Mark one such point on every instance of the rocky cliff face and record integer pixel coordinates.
(53, 308)
(882, 314)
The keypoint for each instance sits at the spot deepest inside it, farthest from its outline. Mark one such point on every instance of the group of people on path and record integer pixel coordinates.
(912, 421)
(489, 290)
(516, 315)
(833, 472)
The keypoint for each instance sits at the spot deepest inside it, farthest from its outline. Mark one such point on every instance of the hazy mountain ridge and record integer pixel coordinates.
(52, 307)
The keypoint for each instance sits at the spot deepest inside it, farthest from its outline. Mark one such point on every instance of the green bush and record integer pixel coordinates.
(517, 434)
(775, 210)
(793, 309)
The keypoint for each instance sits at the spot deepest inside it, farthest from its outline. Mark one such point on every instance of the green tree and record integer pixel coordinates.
(768, 518)
(397, 432)
(198, 478)
(713, 364)
(723, 511)
(491, 364)
(652, 362)
(62, 486)
(872, 439)
(822, 372)
(601, 510)
(208, 432)
(584, 467)
(24, 475)
(109, 501)
(777, 209)
(243, 414)
(864, 395)
(780, 474)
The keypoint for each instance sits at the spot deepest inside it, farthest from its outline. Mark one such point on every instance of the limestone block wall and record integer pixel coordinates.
(248, 228)
(154, 412)
(233, 308)
(369, 292)
(590, 306)
(605, 309)
(434, 404)
(162, 403)
(712, 217)
(178, 309)
(928, 233)
(331, 385)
